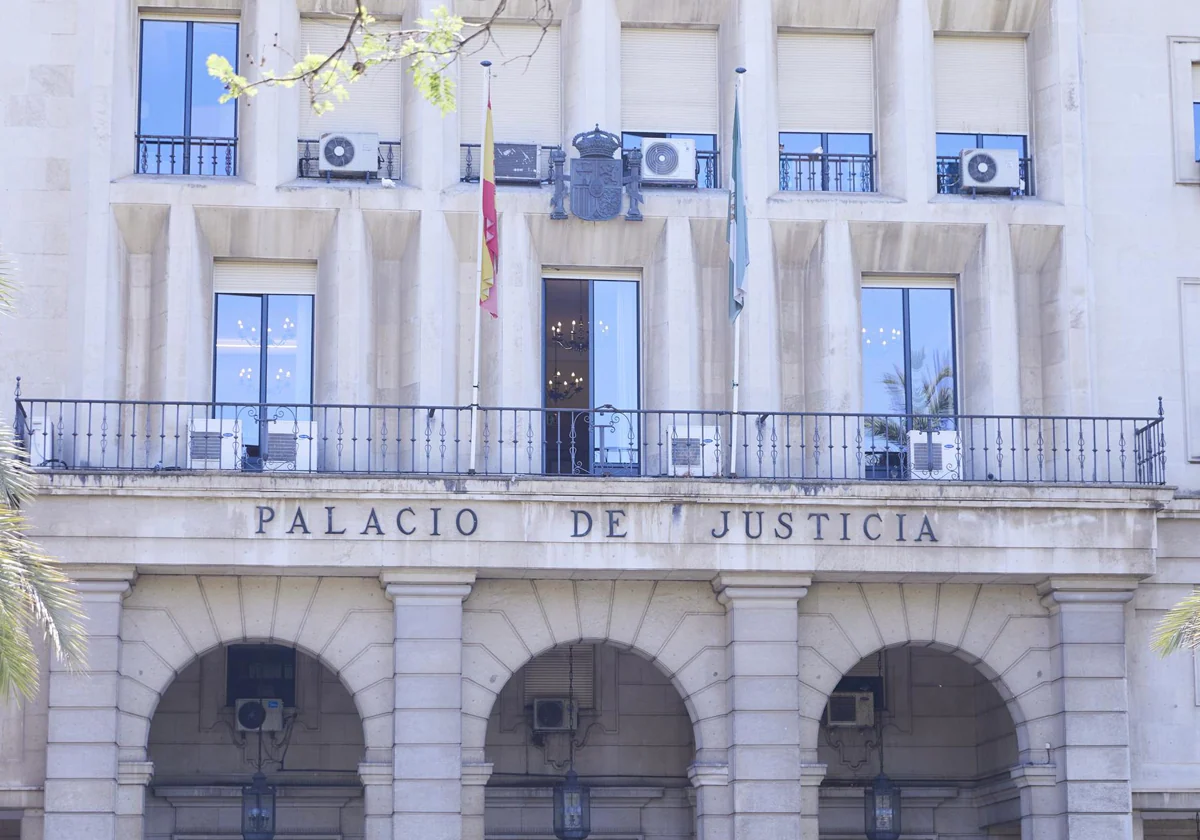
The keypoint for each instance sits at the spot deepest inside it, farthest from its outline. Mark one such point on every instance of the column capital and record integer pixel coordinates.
(811, 775)
(760, 586)
(427, 583)
(1057, 591)
(1034, 775)
(375, 773)
(102, 580)
(703, 774)
(135, 772)
(476, 773)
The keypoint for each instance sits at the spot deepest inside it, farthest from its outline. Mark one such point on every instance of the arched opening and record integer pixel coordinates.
(202, 760)
(948, 742)
(633, 743)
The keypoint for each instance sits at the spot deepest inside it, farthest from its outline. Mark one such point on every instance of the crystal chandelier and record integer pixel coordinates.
(561, 387)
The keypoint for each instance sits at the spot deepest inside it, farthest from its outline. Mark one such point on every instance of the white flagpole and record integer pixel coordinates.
(736, 258)
(487, 95)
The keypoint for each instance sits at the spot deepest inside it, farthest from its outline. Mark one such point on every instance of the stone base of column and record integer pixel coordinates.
(475, 776)
(713, 800)
(377, 799)
(811, 776)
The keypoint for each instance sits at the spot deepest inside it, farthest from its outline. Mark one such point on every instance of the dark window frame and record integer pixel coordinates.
(236, 686)
(823, 142)
(906, 329)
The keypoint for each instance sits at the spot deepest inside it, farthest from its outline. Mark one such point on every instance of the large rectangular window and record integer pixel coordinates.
(910, 380)
(183, 128)
(591, 365)
(263, 363)
(826, 112)
(982, 102)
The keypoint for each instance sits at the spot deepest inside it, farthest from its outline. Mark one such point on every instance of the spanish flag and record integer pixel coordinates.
(491, 243)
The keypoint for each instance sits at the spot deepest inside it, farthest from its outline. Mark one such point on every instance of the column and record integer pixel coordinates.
(713, 801)
(377, 780)
(811, 776)
(765, 769)
(1038, 788)
(81, 742)
(132, 779)
(1091, 747)
(427, 786)
(475, 775)
(591, 34)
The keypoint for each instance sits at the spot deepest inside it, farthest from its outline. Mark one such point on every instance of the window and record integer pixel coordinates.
(183, 129)
(260, 672)
(982, 102)
(910, 391)
(526, 95)
(374, 105)
(826, 112)
(669, 90)
(1196, 108)
(591, 363)
(265, 386)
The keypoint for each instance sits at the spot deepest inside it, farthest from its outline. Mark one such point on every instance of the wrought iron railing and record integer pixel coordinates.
(104, 435)
(817, 172)
(168, 155)
(518, 172)
(949, 176)
(309, 156)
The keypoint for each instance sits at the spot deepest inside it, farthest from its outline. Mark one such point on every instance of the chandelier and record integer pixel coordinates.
(573, 336)
(562, 387)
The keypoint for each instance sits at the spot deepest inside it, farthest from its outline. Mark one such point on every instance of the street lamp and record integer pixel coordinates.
(258, 809)
(572, 801)
(882, 809)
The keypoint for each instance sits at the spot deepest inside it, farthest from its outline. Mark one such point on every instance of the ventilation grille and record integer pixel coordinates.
(547, 676)
(872, 666)
(926, 457)
(205, 446)
(686, 452)
(661, 158)
(281, 446)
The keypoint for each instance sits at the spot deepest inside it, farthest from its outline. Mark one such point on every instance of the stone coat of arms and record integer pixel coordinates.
(597, 179)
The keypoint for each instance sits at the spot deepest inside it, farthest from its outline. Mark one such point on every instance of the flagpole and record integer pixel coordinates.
(479, 243)
(736, 258)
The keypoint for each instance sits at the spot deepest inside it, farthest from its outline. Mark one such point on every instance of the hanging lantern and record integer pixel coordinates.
(572, 809)
(258, 809)
(882, 810)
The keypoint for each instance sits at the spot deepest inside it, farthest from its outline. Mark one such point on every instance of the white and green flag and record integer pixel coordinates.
(739, 252)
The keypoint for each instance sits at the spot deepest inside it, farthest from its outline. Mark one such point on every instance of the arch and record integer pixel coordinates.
(1003, 631)
(678, 626)
(168, 621)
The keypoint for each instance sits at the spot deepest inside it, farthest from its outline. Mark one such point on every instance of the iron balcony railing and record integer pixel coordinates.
(104, 435)
(170, 155)
(519, 171)
(816, 172)
(949, 176)
(308, 160)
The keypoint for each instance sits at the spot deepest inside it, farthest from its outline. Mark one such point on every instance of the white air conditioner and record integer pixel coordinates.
(669, 162)
(44, 443)
(985, 170)
(933, 455)
(349, 152)
(255, 715)
(693, 451)
(555, 715)
(214, 444)
(851, 708)
(516, 163)
(291, 445)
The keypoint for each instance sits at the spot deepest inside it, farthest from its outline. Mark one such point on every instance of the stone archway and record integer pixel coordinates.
(168, 622)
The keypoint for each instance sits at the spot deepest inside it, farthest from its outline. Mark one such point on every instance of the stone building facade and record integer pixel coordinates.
(993, 616)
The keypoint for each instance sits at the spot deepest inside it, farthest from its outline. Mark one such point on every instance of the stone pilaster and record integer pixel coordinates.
(713, 801)
(133, 777)
(82, 790)
(811, 776)
(427, 785)
(378, 792)
(1038, 787)
(765, 769)
(1091, 750)
(475, 775)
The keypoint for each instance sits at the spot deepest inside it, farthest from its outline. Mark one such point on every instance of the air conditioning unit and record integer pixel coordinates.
(670, 162)
(851, 708)
(213, 444)
(255, 715)
(990, 170)
(517, 163)
(356, 152)
(556, 715)
(45, 445)
(693, 451)
(933, 455)
(291, 445)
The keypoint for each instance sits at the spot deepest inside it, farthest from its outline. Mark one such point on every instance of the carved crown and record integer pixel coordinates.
(596, 143)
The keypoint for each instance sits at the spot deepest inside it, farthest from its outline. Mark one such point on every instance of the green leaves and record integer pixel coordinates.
(1179, 628)
(35, 594)
(429, 49)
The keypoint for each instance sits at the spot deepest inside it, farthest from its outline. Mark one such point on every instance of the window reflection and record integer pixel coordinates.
(591, 374)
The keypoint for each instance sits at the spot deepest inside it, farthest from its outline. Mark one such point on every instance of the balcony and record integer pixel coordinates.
(176, 155)
(123, 436)
(949, 176)
(308, 160)
(817, 172)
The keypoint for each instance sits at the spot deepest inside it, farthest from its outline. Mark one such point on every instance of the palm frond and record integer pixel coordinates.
(1179, 628)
